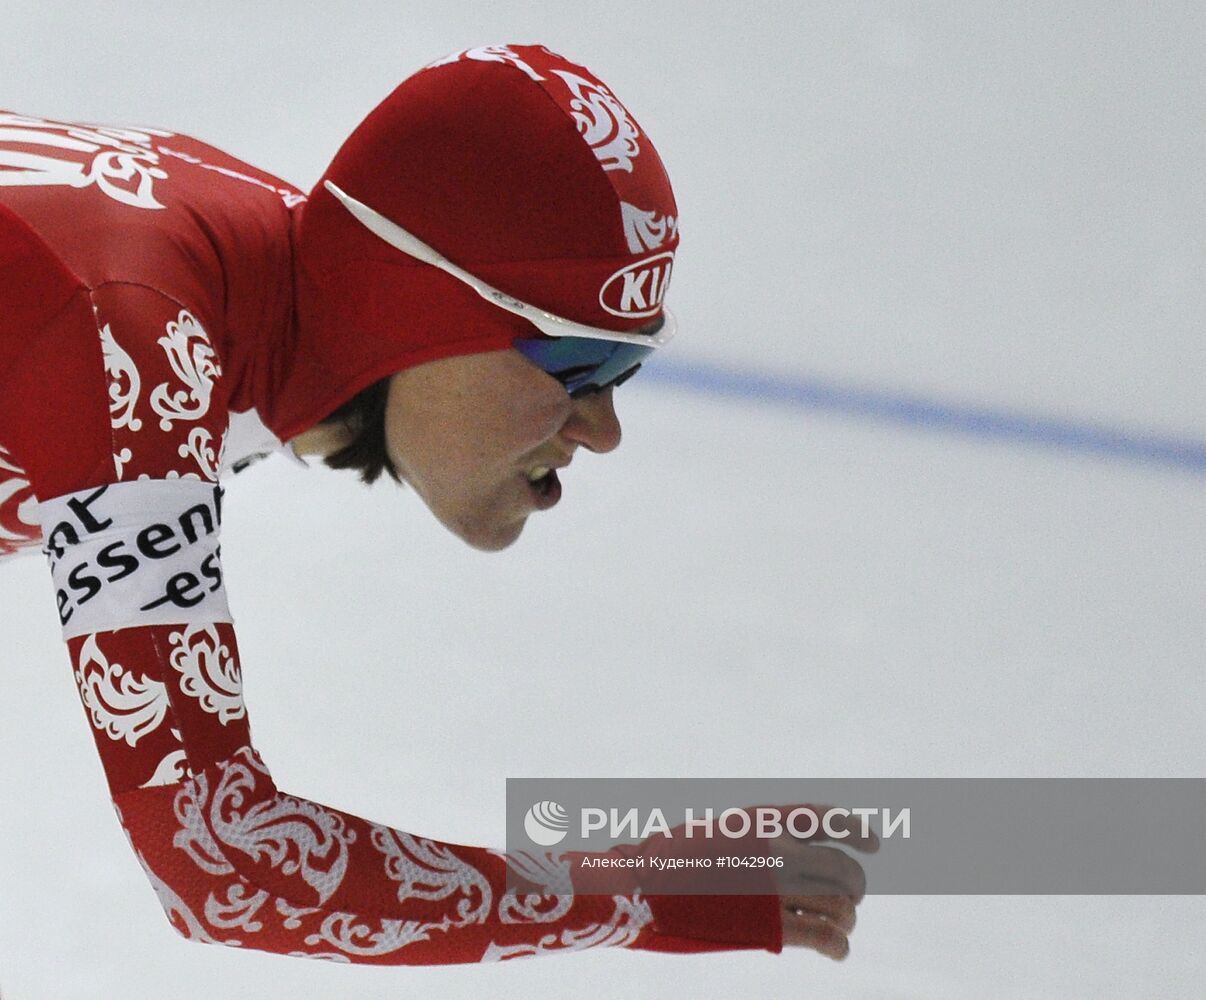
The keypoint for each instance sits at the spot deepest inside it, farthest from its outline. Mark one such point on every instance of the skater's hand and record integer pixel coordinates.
(819, 887)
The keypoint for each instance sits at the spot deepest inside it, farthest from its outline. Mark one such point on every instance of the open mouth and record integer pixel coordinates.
(545, 487)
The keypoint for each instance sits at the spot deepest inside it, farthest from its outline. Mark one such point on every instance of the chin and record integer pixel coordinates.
(490, 537)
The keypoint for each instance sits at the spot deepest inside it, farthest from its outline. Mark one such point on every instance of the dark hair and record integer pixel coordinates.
(364, 416)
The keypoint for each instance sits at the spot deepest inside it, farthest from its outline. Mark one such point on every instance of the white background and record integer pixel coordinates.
(998, 207)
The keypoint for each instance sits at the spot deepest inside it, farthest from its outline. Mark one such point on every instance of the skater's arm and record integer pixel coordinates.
(125, 464)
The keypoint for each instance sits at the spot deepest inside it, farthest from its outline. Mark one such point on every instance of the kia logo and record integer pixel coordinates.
(637, 290)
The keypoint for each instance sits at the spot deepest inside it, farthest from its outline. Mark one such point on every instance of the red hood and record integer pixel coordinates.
(512, 162)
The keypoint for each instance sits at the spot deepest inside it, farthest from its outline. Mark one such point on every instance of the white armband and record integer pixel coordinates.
(138, 553)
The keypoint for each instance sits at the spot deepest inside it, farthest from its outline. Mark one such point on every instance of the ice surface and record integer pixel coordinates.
(999, 207)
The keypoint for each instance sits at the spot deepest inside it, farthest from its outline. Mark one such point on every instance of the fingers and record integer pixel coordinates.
(806, 928)
(838, 827)
(820, 886)
(810, 869)
(848, 831)
(838, 910)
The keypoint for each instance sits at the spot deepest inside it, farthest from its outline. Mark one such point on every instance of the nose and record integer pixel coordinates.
(593, 422)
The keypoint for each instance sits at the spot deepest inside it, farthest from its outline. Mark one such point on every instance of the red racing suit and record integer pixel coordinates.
(148, 344)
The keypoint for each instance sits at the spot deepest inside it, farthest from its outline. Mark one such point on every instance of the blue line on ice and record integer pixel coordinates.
(810, 393)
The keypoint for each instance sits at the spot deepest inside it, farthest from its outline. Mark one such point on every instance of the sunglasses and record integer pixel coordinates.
(583, 358)
(583, 365)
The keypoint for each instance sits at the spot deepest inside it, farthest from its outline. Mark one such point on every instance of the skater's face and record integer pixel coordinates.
(476, 437)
